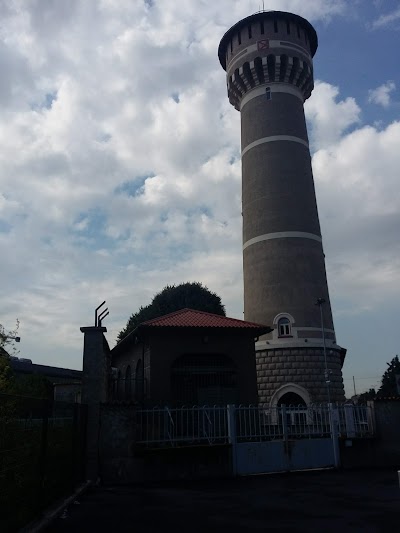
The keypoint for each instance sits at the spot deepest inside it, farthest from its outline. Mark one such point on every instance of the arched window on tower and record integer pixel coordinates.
(268, 93)
(284, 327)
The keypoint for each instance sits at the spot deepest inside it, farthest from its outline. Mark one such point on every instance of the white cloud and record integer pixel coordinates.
(110, 189)
(382, 94)
(387, 20)
(328, 118)
(359, 204)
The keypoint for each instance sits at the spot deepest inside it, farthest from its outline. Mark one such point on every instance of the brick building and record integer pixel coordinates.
(188, 358)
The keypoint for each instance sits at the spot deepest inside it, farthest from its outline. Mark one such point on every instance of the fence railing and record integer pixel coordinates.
(218, 425)
(182, 426)
(314, 421)
(41, 455)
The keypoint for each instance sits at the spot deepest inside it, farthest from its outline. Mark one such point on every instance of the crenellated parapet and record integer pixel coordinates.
(267, 71)
(267, 49)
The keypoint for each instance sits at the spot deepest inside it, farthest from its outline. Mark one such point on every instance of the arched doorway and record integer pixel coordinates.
(128, 383)
(204, 379)
(292, 399)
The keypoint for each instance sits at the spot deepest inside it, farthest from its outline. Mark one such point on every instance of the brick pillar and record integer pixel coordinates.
(96, 373)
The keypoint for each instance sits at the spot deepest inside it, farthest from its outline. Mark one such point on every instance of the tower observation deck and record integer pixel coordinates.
(268, 62)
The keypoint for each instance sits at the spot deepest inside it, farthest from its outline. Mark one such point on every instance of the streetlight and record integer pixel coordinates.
(333, 430)
(10, 337)
(320, 302)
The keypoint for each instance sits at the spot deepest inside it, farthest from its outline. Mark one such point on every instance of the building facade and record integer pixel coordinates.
(188, 358)
(268, 61)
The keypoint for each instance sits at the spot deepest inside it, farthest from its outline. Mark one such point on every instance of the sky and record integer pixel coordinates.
(120, 166)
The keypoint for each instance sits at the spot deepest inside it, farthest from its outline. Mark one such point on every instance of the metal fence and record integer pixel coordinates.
(219, 425)
(296, 422)
(41, 455)
(182, 426)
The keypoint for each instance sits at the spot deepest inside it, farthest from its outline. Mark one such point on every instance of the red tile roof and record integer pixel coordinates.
(189, 318)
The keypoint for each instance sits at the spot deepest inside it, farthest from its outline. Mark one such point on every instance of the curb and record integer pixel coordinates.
(55, 511)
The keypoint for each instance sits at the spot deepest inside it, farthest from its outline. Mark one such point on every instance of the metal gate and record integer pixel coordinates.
(285, 438)
(262, 439)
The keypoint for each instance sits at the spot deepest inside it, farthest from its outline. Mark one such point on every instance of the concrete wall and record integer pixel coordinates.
(122, 462)
(383, 450)
(118, 464)
(387, 419)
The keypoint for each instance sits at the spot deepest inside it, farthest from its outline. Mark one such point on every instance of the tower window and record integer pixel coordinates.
(231, 47)
(275, 26)
(262, 27)
(250, 34)
(305, 36)
(298, 31)
(268, 93)
(239, 38)
(288, 27)
(284, 327)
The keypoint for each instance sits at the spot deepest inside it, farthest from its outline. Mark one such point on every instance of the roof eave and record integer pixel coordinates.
(263, 15)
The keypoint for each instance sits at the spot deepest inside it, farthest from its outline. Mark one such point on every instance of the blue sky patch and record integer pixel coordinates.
(5, 227)
(133, 187)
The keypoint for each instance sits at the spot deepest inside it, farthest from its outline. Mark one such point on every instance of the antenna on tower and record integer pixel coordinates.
(263, 6)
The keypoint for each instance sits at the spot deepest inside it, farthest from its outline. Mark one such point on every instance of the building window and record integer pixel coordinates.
(262, 27)
(284, 327)
(288, 27)
(275, 26)
(204, 379)
(239, 38)
(268, 93)
(139, 381)
(250, 34)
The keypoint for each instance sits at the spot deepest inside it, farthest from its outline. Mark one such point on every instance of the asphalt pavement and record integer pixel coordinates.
(317, 501)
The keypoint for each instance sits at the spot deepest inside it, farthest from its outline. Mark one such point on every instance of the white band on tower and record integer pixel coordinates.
(282, 235)
(274, 138)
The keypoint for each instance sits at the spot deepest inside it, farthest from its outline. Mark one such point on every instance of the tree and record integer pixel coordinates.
(366, 396)
(388, 386)
(173, 298)
(7, 346)
(6, 375)
(31, 385)
(7, 340)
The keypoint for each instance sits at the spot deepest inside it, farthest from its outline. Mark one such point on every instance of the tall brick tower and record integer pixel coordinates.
(268, 61)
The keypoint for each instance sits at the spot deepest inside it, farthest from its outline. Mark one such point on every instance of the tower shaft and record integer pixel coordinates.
(268, 60)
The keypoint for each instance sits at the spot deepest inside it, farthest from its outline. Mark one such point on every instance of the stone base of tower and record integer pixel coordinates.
(298, 371)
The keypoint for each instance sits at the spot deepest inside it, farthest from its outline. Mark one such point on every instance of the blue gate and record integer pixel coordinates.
(282, 439)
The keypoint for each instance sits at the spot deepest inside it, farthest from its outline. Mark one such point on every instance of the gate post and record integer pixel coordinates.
(232, 438)
(334, 423)
(284, 422)
(285, 436)
(95, 383)
(349, 419)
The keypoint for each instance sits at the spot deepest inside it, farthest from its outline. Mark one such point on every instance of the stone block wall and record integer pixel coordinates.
(302, 366)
